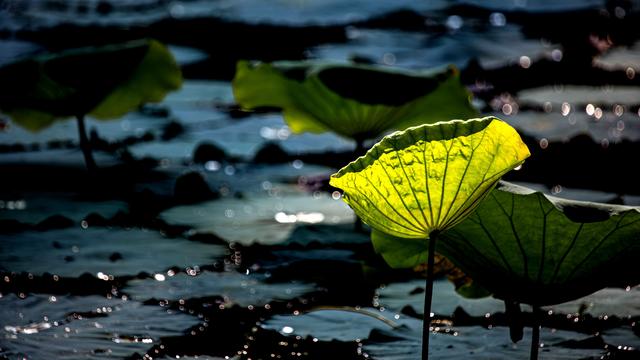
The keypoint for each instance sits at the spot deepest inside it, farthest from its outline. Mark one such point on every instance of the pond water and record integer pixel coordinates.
(128, 268)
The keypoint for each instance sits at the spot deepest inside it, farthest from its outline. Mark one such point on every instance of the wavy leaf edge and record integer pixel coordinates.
(437, 135)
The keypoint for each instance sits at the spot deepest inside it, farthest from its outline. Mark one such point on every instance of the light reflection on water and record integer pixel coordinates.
(75, 329)
(254, 11)
(301, 217)
(41, 252)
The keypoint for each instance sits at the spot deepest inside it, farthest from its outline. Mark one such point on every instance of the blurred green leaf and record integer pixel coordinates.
(104, 82)
(355, 101)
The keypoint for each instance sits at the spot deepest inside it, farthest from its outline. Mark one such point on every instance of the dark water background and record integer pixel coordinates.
(125, 267)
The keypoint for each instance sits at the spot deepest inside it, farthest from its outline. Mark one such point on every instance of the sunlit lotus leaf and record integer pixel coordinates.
(536, 249)
(355, 101)
(430, 177)
(104, 82)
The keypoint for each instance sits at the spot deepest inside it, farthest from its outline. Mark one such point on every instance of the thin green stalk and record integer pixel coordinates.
(535, 334)
(428, 296)
(85, 145)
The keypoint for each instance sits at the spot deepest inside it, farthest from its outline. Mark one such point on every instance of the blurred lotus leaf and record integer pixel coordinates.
(355, 101)
(429, 178)
(536, 249)
(104, 82)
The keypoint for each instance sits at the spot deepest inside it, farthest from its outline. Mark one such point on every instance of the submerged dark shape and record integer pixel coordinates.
(102, 82)
(208, 151)
(192, 188)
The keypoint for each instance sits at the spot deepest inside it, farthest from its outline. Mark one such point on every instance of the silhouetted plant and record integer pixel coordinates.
(103, 82)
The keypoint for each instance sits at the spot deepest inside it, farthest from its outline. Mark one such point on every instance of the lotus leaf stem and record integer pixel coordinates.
(85, 145)
(535, 333)
(514, 319)
(428, 295)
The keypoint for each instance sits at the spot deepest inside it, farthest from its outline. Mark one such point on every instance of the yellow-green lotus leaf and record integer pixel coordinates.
(355, 101)
(156, 75)
(430, 177)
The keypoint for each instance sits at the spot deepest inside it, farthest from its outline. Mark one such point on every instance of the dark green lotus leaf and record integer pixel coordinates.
(400, 253)
(355, 101)
(104, 82)
(536, 249)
